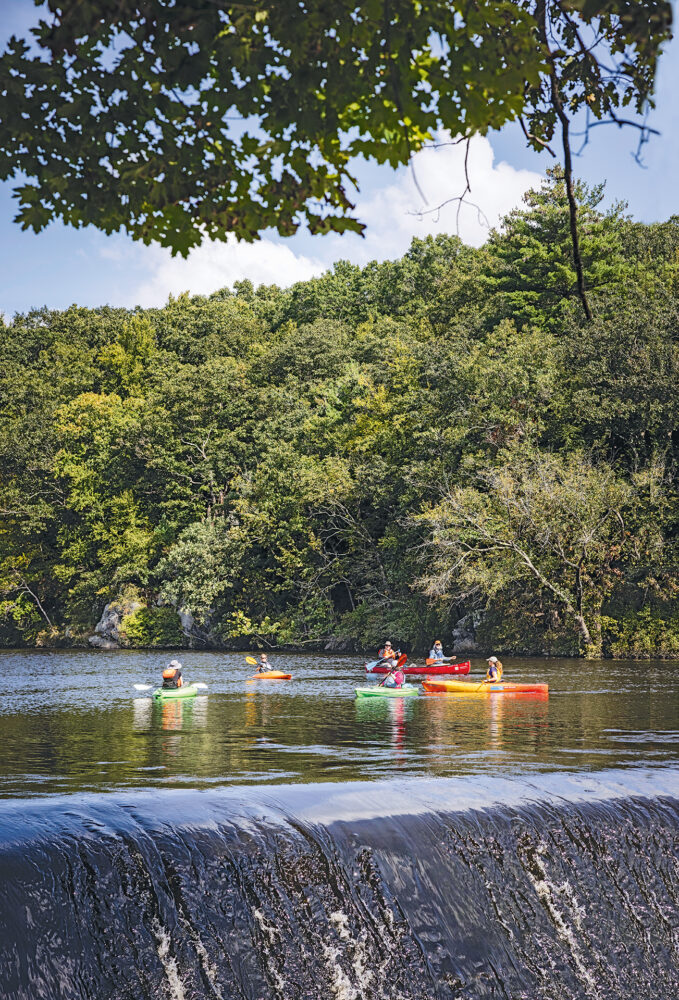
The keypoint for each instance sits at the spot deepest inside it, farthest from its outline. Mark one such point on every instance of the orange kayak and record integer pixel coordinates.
(480, 687)
(271, 675)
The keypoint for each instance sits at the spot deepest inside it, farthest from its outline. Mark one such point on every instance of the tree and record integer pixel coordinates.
(259, 457)
(546, 524)
(177, 121)
(531, 261)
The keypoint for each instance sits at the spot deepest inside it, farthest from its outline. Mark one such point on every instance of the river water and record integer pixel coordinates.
(72, 721)
(285, 841)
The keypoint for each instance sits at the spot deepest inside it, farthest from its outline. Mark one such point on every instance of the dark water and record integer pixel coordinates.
(286, 842)
(553, 889)
(72, 722)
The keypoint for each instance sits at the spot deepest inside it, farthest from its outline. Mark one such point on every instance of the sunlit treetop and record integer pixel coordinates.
(174, 121)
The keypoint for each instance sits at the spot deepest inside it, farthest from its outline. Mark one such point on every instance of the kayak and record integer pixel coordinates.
(271, 675)
(478, 687)
(440, 668)
(377, 692)
(185, 691)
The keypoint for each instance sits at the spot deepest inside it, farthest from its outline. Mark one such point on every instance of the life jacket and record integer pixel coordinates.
(399, 678)
(172, 678)
(383, 654)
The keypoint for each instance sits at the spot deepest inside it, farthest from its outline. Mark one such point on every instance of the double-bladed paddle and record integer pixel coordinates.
(148, 687)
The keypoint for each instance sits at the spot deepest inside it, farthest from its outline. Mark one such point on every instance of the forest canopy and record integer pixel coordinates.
(382, 450)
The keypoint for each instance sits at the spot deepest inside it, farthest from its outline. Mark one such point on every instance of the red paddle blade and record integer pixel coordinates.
(401, 660)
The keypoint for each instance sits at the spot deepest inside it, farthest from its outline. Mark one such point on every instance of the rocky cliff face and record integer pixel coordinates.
(107, 630)
(114, 628)
(464, 635)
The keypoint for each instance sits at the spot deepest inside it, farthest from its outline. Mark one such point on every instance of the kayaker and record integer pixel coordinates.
(387, 655)
(394, 679)
(263, 667)
(172, 675)
(494, 672)
(436, 652)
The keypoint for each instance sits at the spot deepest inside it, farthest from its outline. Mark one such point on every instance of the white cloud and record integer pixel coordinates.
(389, 208)
(217, 265)
(397, 212)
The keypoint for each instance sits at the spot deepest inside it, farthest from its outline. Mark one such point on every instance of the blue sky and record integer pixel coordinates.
(62, 266)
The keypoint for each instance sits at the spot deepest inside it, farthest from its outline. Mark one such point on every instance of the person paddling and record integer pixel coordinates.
(395, 678)
(172, 675)
(436, 653)
(494, 672)
(387, 656)
(263, 667)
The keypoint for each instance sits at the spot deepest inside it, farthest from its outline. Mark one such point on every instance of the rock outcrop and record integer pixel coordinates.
(107, 630)
(464, 635)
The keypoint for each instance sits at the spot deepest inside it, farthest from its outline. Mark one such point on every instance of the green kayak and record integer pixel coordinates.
(186, 691)
(380, 692)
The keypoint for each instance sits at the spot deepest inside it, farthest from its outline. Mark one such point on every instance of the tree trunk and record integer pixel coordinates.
(584, 631)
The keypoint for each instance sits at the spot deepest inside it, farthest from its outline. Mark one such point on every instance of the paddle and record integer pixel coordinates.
(147, 687)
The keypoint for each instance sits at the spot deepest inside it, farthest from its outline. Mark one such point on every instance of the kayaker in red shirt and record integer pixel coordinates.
(172, 675)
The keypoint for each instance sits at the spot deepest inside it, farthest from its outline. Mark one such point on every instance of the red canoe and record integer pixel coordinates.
(442, 668)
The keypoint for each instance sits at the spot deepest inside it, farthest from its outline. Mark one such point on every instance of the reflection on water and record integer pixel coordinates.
(65, 728)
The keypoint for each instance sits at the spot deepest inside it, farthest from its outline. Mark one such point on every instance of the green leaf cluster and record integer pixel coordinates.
(176, 121)
(152, 627)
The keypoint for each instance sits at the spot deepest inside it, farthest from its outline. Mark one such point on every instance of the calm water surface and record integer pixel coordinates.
(71, 721)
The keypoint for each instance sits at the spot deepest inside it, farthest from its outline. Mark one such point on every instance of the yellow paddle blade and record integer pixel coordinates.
(251, 660)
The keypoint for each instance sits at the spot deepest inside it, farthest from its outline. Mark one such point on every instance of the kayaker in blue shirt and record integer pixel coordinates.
(172, 675)
(436, 653)
(494, 672)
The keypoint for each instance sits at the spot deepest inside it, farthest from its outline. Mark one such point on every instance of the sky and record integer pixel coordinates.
(62, 266)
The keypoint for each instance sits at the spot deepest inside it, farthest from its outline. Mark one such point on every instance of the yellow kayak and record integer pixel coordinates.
(482, 687)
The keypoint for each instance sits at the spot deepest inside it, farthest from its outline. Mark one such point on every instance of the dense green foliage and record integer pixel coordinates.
(178, 119)
(379, 450)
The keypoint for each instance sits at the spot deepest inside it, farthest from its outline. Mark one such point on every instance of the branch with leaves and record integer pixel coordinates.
(178, 122)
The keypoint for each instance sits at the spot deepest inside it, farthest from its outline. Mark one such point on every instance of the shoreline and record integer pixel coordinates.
(330, 654)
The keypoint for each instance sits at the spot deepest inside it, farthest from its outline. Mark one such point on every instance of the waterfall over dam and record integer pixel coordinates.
(550, 886)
